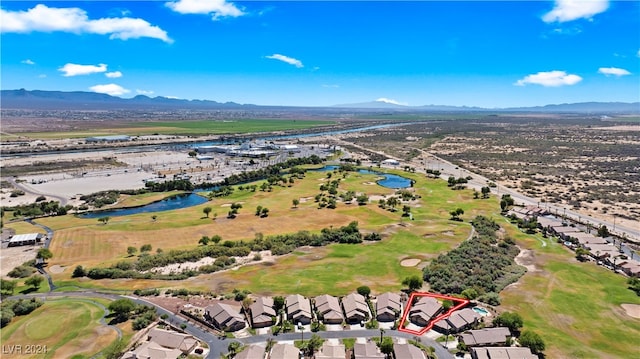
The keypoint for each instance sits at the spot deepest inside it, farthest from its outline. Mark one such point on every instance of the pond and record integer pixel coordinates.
(389, 180)
(168, 204)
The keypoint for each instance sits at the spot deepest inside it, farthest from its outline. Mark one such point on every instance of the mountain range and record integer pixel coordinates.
(80, 100)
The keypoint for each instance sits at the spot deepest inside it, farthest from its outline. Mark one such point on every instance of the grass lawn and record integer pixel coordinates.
(574, 306)
(199, 127)
(69, 328)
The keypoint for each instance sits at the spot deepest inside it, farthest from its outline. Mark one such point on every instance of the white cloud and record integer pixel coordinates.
(28, 62)
(75, 69)
(638, 53)
(42, 18)
(550, 79)
(613, 71)
(109, 89)
(144, 92)
(287, 59)
(42, 76)
(114, 74)
(215, 8)
(391, 101)
(331, 86)
(569, 10)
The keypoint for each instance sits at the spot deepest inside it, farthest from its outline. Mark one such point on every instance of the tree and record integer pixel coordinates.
(511, 320)
(258, 210)
(314, 343)
(264, 212)
(485, 192)
(406, 211)
(204, 240)
(470, 293)
(278, 303)
(362, 199)
(503, 205)
(364, 291)
(104, 220)
(413, 283)
(7, 287)
(456, 213)
(79, 271)
(603, 231)
(532, 341)
(154, 218)
(581, 253)
(145, 248)
(216, 239)
(44, 254)
(34, 281)
(206, 211)
(295, 202)
(131, 250)
(122, 308)
(386, 346)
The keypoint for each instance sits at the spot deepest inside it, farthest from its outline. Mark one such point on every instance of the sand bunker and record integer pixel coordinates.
(632, 310)
(56, 269)
(411, 262)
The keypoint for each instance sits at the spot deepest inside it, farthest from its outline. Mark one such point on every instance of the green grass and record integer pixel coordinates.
(67, 327)
(198, 127)
(574, 306)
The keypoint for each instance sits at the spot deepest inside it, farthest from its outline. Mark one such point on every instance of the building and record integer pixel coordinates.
(224, 317)
(331, 351)
(298, 309)
(114, 138)
(485, 337)
(502, 353)
(284, 351)
(355, 307)
(367, 351)
(631, 267)
(407, 351)
(262, 313)
(162, 343)
(424, 311)
(391, 162)
(328, 309)
(25, 239)
(388, 307)
(458, 321)
(251, 352)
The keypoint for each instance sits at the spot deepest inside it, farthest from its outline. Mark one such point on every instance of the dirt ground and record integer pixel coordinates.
(14, 256)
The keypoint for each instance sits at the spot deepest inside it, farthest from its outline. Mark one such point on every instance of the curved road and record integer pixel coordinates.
(218, 346)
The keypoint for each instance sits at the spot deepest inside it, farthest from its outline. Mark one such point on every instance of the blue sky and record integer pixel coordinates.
(478, 53)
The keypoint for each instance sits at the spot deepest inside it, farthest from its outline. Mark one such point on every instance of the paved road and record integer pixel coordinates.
(39, 262)
(218, 345)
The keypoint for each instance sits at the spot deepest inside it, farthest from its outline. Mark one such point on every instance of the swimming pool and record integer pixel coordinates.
(483, 312)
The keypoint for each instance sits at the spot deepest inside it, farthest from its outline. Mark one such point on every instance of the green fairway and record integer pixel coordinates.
(186, 127)
(574, 306)
(61, 328)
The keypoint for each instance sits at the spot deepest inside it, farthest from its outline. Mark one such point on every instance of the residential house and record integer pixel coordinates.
(548, 222)
(355, 307)
(331, 351)
(407, 351)
(225, 317)
(424, 311)
(367, 351)
(631, 267)
(502, 353)
(603, 251)
(262, 312)
(388, 307)
(298, 309)
(163, 344)
(458, 321)
(485, 337)
(284, 351)
(328, 308)
(564, 232)
(586, 239)
(251, 352)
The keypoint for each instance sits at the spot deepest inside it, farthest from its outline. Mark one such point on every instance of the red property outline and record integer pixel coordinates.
(461, 303)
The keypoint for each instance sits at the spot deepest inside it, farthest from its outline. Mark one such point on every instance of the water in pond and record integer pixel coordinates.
(167, 204)
(389, 180)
